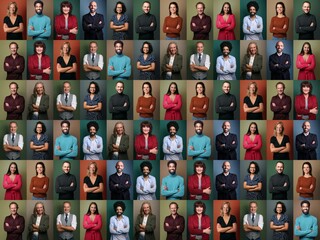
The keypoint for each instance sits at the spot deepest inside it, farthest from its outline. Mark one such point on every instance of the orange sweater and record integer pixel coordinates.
(145, 103)
(305, 184)
(198, 103)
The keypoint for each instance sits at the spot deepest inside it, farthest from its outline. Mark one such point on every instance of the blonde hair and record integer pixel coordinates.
(96, 168)
(221, 208)
(69, 49)
(255, 85)
(15, 5)
(275, 128)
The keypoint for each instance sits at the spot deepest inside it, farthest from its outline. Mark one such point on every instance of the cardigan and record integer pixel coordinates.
(141, 152)
(123, 147)
(43, 227)
(300, 107)
(149, 229)
(196, 193)
(43, 107)
(176, 67)
(63, 33)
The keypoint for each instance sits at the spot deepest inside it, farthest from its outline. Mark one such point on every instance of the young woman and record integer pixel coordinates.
(66, 63)
(119, 22)
(253, 103)
(172, 102)
(306, 183)
(199, 104)
(279, 24)
(280, 143)
(93, 102)
(92, 222)
(146, 62)
(146, 104)
(13, 23)
(39, 142)
(173, 23)
(12, 183)
(93, 183)
(226, 223)
(279, 222)
(226, 22)
(39, 184)
(306, 63)
(252, 142)
(253, 182)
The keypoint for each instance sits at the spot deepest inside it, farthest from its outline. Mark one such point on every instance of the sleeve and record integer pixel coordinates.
(44, 223)
(44, 103)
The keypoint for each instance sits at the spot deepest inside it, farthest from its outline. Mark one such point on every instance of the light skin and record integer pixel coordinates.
(226, 217)
(199, 212)
(66, 58)
(8, 148)
(93, 48)
(92, 108)
(60, 227)
(60, 106)
(39, 148)
(248, 228)
(194, 67)
(120, 131)
(146, 68)
(253, 97)
(13, 17)
(279, 136)
(93, 177)
(173, 211)
(40, 211)
(252, 188)
(146, 211)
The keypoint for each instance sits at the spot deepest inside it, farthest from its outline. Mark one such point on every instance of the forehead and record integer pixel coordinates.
(66, 164)
(119, 85)
(119, 164)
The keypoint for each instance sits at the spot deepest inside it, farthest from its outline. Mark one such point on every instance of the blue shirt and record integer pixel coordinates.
(119, 228)
(146, 189)
(92, 149)
(229, 68)
(172, 187)
(119, 67)
(256, 28)
(174, 152)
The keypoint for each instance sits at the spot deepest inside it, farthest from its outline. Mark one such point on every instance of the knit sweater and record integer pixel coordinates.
(199, 147)
(171, 24)
(37, 186)
(145, 103)
(172, 187)
(305, 184)
(66, 147)
(198, 103)
(306, 227)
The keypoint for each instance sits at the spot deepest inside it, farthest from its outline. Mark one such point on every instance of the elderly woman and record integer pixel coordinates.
(13, 23)
(280, 143)
(226, 223)
(172, 63)
(39, 103)
(39, 223)
(66, 24)
(145, 223)
(119, 143)
(251, 63)
(66, 63)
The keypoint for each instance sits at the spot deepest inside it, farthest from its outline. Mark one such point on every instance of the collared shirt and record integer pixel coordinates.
(207, 59)
(260, 220)
(149, 188)
(20, 141)
(14, 73)
(73, 101)
(73, 222)
(92, 148)
(14, 113)
(119, 228)
(229, 68)
(175, 152)
(100, 59)
(256, 28)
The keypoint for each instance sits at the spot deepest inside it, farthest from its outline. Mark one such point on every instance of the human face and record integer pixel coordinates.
(13, 127)
(199, 89)
(146, 7)
(119, 8)
(146, 130)
(93, 7)
(279, 168)
(226, 8)
(66, 168)
(225, 209)
(226, 127)
(305, 209)
(39, 209)
(225, 51)
(39, 50)
(200, 48)
(39, 169)
(93, 208)
(253, 49)
(306, 127)
(93, 48)
(120, 167)
(66, 88)
(279, 47)
(13, 168)
(66, 10)
(173, 209)
(119, 88)
(253, 207)
(306, 8)
(252, 11)
(173, 49)
(13, 49)
(198, 128)
(92, 169)
(279, 129)
(173, 9)
(253, 128)
(13, 89)
(199, 210)
(92, 131)
(13, 209)
(39, 128)
(92, 88)
(279, 208)
(146, 88)
(65, 128)
(65, 49)
(119, 128)
(200, 9)
(199, 170)
(39, 89)
(252, 168)
(118, 48)
(146, 209)
(226, 88)
(306, 48)
(279, 9)
(252, 89)
(66, 208)
(172, 131)
(306, 90)
(119, 211)
(172, 168)
(280, 89)
(173, 88)
(145, 48)
(145, 171)
(12, 9)
(38, 8)
(226, 167)
(306, 169)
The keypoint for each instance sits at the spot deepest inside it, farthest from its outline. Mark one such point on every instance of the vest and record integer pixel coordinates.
(199, 74)
(13, 155)
(92, 75)
(66, 115)
(252, 234)
(66, 234)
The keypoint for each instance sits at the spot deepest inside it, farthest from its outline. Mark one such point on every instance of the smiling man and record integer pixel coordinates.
(252, 24)
(199, 147)
(39, 26)
(174, 224)
(200, 24)
(119, 67)
(92, 144)
(226, 65)
(226, 103)
(119, 224)
(226, 143)
(93, 23)
(172, 187)
(279, 63)
(14, 103)
(306, 23)
(14, 224)
(120, 183)
(306, 143)
(93, 62)
(66, 145)
(281, 103)
(279, 183)
(14, 64)
(66, 183)
(119, 103)
(146, 23)
(306, 225)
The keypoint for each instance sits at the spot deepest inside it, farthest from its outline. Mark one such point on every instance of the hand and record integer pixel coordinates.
(141, 188)
(151, 106)
(248, 28)
(193, 24)
(47, 70)
(125, 104)
(7, 224)
(7, 104)
(207, 231)
(44, 186)
(100, 22)
(7, 65)
(204, 27)
(314, 110)
(311, 25)
(165, 188)
(204, 106)
(167, 224)
(311, 186)
(71, 185)
(31, 28)
(151, 25)
(273, 28)
(231, 105)
(233, 142)
(178, 26)
(58, 148)
(191, 148)
(258, 26)
(221, 68)
(284, 26)
(285, 184)
(273, 104)
(313, 142)
(111, 68)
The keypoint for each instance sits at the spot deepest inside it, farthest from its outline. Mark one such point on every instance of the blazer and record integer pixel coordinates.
(256, 67)
(149, 230)
(43, 107)
(123, 147)
(176, 67)
(43, 227)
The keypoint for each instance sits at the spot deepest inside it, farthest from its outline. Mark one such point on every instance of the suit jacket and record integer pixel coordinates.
(43, 107)
(228, 152)
(123, 147)
(256, 67)
(93, 32)
(43, 227)
(280, 72)
(176, 67)
(308, 152)
(150, 226)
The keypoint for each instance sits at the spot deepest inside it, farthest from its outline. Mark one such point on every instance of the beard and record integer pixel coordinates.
(172, 172)
(65, 132)
(145, 174)
(199, 132)
(172, 134)
(225, 54)
(305, 212)
(39, 12)
(92, 134)
(118, 52)
(252, 14)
